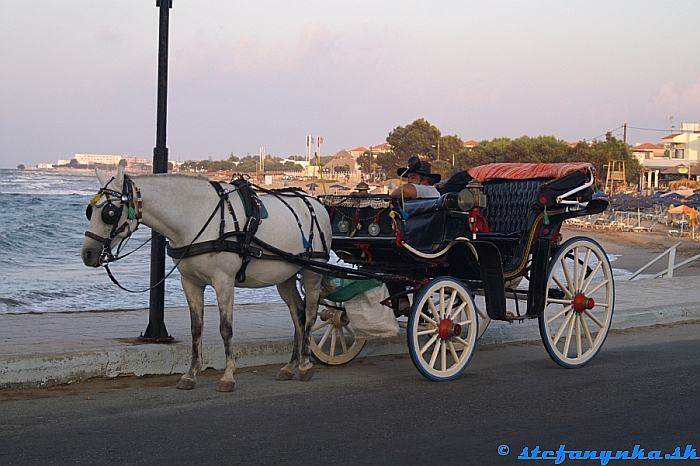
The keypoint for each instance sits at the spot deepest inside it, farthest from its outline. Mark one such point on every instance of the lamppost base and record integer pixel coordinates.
(168, 339)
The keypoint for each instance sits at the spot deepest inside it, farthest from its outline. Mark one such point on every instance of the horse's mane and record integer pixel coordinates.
(198, 176)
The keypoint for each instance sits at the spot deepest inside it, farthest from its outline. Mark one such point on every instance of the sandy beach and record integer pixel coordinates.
(631, 250)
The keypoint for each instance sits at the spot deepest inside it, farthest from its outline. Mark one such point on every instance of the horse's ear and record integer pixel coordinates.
(119, 179)
(104, 179)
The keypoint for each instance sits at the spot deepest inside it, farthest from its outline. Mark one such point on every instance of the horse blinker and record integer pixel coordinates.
(110, 214)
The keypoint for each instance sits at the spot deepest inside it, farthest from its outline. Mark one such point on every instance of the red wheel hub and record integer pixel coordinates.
(448, 329)
(581, 303)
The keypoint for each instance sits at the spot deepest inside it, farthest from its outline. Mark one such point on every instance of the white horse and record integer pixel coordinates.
(187, 210)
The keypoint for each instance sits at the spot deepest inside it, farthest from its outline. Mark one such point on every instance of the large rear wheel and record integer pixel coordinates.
(579, 304)
(442, 329)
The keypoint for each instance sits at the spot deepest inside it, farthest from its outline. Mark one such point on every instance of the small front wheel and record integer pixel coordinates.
(333, 341)
(442, 329)
(579, 304)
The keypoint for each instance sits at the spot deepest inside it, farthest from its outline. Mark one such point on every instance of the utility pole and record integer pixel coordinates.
(624, 133)
(309, 143)
(317, 162)
(156, 331)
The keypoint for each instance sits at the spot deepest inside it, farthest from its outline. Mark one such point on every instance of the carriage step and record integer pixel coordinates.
(491, 268)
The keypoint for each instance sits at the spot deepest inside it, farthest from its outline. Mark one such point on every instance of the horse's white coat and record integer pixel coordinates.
(178, 206)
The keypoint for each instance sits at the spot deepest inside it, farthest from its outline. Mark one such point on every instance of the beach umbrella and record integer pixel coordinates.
(345, 188)
(681, 209)
(638, 203)
(693, 197)
(673, 195)
(684, 209)
(619, 201)
(312, 186)
(664, 201)
(336, 186)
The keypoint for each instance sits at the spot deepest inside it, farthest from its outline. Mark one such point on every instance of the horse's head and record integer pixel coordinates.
(114, 214)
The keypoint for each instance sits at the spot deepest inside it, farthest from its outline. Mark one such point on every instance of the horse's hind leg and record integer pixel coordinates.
(312, 289)
(224, 297)
(303, 316)
(195, 300)
(289, 294)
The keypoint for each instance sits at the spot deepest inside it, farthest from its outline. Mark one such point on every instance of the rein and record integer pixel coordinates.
(186, 249)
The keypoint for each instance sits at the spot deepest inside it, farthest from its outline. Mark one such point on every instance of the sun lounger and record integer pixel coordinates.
(641, 228)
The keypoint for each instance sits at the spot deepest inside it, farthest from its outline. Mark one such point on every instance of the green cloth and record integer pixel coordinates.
(347, 289)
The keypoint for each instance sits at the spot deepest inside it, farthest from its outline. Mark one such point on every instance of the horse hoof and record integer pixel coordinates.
(226, 386)
(285, 374)
(306, 376)
(186, 384)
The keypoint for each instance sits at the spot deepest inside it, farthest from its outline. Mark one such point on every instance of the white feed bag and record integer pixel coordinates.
(370, 319)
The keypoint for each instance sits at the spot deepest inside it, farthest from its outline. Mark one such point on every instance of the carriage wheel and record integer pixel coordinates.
(332, 340)
(579, 306)
(442, 329)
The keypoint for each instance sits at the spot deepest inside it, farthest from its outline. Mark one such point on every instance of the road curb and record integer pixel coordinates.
(164, 359)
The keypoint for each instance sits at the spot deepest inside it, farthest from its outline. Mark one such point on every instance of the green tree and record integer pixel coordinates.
(542, 149)
(389, 162)
(21, 167)
(450, 146)
(420, 139)
(600, 153)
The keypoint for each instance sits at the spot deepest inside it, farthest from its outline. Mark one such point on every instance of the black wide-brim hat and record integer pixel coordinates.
(415, 165)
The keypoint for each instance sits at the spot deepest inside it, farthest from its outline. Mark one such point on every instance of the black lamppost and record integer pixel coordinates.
(156, 331)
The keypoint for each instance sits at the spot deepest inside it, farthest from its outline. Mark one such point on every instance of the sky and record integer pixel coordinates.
(80, 76)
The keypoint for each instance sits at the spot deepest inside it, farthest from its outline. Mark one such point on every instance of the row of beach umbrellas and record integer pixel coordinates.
(629, 202)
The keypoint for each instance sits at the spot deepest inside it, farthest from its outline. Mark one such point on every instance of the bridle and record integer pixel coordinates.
(129, 197)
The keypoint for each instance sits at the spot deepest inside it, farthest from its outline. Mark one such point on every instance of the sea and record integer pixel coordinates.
(42, 226)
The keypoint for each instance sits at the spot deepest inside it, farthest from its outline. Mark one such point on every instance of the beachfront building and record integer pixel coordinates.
(375, 149)
(343, 162)
(112, 160)
(671, 160)
(470, 144)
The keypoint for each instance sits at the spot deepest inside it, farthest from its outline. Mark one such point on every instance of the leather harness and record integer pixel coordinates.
(245, 236)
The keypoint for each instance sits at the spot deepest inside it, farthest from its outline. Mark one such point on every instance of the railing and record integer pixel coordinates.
(671, 252)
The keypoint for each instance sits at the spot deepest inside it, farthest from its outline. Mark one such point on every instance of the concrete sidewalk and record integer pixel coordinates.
(40, 349)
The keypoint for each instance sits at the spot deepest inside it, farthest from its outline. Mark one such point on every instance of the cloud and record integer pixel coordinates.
(316, 50)
(674, 99)
(107, 35)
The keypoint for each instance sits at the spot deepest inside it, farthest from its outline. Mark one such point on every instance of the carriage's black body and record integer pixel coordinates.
(409, 243)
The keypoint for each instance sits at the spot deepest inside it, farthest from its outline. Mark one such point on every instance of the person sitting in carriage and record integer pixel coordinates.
(419, 179)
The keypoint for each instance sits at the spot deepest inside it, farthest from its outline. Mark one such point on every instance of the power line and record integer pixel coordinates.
(612, 131)
(648, 129)
(628, 127)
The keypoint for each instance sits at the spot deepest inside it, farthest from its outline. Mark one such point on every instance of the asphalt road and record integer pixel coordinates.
(642, 389)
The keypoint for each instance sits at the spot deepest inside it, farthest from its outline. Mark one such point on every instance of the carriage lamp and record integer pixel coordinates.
(362, 188)
(472, 197)
(473, 200)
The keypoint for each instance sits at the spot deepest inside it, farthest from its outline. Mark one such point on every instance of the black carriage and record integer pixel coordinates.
(494, 234)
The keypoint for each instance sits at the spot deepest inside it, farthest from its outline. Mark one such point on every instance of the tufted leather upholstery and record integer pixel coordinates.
(509, 203)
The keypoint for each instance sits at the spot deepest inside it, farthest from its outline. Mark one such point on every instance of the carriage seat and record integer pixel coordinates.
(428, 205)
(432, 223)
(517, 191)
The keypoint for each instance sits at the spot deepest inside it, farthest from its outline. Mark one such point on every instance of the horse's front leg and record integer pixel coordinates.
(195, 300)
(224, 297)
(289, 294)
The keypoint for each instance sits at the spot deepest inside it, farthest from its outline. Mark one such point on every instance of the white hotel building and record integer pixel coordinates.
(102, 159)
